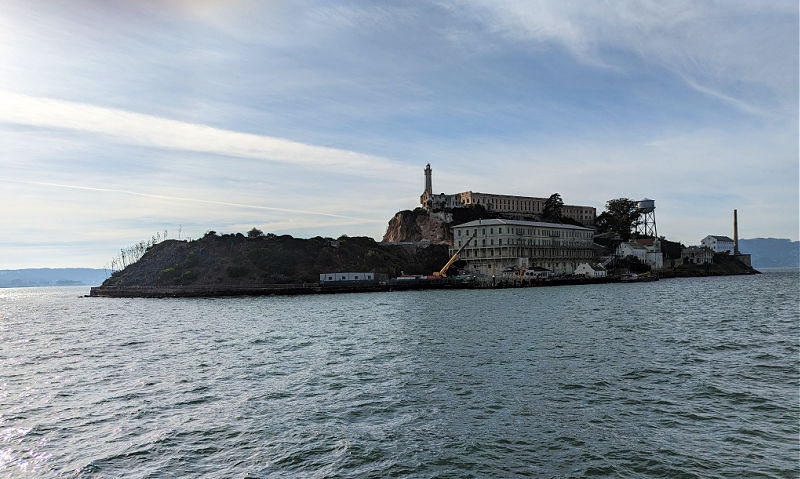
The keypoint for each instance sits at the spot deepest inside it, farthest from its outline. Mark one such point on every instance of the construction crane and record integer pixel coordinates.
(441, 273)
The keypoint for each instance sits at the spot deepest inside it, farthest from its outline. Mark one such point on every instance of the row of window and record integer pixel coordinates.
(529, 242)
(529, 232)
(528, 205)
(535, 253)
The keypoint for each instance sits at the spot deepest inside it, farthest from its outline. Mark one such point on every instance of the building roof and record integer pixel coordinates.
(720, 238)
(500, 222)
(635, 245)
(538, 198)
(594, 266)
(610, 235)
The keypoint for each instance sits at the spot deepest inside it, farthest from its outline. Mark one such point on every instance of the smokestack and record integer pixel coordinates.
(735, 234)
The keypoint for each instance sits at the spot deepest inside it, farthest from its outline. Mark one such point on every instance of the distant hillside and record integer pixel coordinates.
(238, 261)
(772, 252)
(16, 278)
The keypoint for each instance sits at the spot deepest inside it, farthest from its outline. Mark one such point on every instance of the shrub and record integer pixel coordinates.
(255, 233)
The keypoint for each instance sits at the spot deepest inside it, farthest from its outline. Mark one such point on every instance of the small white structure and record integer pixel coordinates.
(717, 244)
(632, 249)
(591, 270)
(330, 277)
(648, 254)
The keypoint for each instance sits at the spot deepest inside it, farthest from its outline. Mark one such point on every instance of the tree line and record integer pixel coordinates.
(621, 215)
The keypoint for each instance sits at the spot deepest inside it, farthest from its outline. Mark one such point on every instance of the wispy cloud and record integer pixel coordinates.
(197, 200)
(735, 102)
(715, 47)
(147, 130)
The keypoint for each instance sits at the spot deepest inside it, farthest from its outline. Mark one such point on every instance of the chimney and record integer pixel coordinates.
(735, 234)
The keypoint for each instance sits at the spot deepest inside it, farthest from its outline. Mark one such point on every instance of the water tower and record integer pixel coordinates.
(647, 219)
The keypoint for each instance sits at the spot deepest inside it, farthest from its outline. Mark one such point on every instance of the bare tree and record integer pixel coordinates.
(131, 254)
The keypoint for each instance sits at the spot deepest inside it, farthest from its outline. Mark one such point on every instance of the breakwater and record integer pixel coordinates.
(315, 288)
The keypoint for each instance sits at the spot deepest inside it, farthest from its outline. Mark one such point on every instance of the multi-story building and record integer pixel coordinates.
(522, 206)
(717, 244)
(499, 244)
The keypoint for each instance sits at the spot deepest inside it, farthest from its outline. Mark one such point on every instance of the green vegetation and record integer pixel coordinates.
(552, 208)
(255, 233)
(621, 216)
(180, 273)
(632, 264)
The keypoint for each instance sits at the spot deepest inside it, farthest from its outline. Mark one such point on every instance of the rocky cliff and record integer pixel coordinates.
(433, 226)
(418, 225)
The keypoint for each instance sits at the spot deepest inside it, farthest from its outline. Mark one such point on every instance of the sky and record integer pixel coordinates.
(120, 119)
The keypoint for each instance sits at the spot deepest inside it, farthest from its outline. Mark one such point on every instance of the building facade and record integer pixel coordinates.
(591, 270)
(507, 204)
(717, 244)
(333, 277)
(697, 255)
(649, 254)
(500, 244)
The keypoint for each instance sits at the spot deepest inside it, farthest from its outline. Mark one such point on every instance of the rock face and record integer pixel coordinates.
(418, 225)
(432, 226)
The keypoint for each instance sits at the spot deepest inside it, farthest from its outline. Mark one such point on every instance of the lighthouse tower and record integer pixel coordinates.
(428, 193)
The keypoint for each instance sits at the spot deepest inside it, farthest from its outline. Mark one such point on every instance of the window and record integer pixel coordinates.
(459, 232)
(491, 242)
(484, 231)
(500, 241)
(499, 230)
(491, 231)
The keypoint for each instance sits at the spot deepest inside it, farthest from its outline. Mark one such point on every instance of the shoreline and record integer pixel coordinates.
(314, 288)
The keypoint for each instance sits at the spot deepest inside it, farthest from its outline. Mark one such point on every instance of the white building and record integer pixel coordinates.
(648, 254)
(499, 244)
(331, 277)
(591, 270)
(717, 244)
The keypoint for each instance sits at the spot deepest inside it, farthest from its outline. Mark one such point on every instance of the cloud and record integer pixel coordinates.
(151, 131)
(739, 52)
(197, 200)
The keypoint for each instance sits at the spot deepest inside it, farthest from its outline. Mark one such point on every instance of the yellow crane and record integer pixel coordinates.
(441, 273)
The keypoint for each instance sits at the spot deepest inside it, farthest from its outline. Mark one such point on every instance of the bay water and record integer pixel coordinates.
(677, 378)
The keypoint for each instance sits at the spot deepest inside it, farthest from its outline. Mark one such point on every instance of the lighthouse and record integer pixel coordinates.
(427, 195)
(428, 181)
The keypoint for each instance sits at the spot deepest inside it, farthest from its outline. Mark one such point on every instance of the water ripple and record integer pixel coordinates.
(679, 378)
